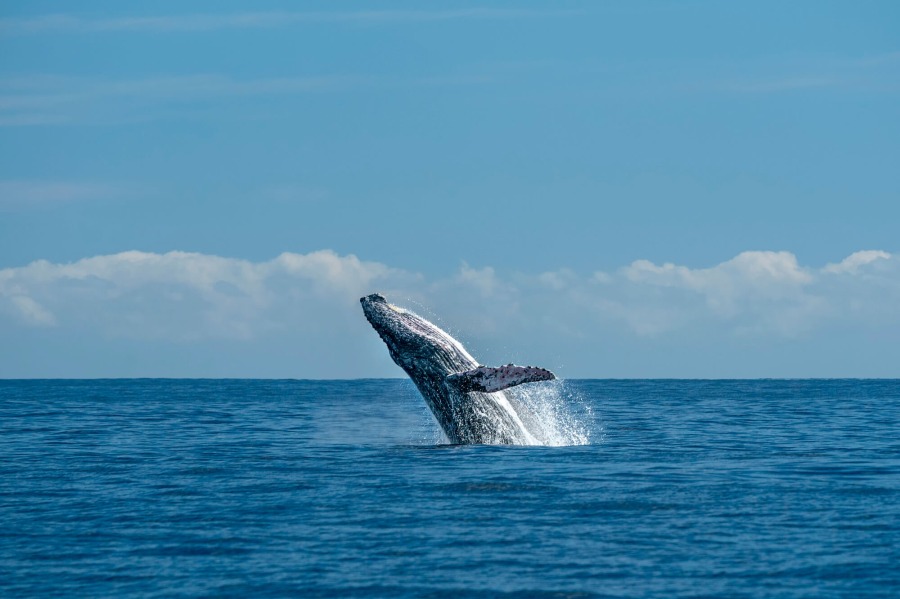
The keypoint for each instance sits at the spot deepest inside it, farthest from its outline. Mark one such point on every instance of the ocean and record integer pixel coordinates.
(292, 488)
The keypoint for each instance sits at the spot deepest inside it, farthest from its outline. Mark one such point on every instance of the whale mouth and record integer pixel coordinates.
(376, 308)
(376, 302)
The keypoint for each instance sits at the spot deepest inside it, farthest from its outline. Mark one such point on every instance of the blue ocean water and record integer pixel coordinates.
(194, 488)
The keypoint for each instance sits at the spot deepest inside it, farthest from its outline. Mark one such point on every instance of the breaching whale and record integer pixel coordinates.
(467, 399)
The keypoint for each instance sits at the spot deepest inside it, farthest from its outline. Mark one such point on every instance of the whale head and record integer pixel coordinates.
(416, 345)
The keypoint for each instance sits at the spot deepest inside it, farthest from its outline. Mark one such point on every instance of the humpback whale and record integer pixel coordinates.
(466, 398)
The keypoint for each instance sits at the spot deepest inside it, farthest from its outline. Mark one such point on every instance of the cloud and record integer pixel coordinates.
(854, 262)
(298, 314)
(31, 311)
(184, 296)
(187, 296)
(760, 289)
(256, 20)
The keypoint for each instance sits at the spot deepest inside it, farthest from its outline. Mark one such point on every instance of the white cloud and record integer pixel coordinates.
(180, 295)
(482, 280)
(854, 262)
(190, 296)
(554, 280)
(757, 289)
(31, 311)
(310, 300)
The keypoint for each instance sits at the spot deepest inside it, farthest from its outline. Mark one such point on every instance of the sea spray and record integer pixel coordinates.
(554, 412)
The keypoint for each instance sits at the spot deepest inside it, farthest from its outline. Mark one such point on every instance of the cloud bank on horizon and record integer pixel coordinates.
(584, 136)
(181, 299)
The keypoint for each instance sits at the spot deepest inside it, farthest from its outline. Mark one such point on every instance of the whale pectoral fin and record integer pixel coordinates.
(488, 380)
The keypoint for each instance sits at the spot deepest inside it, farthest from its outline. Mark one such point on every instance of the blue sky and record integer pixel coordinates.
(693, 189)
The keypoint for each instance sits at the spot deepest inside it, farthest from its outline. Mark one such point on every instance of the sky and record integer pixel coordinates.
(606, 189)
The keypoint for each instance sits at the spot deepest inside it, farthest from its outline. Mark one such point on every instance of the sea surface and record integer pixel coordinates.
(263, 488)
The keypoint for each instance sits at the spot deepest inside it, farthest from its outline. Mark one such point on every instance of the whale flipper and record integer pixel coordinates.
(487, 380)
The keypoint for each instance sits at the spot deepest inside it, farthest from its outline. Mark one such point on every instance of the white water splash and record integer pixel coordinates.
(553, 412)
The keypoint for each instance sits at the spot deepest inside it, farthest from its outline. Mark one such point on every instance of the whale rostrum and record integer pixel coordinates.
(466, 398)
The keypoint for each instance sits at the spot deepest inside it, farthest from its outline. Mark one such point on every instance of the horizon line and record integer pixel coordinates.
(359, 379)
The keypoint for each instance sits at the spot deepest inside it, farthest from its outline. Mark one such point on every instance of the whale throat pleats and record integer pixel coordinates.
(487, 380)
